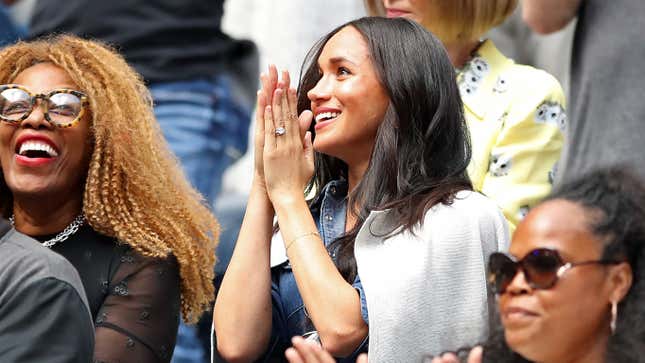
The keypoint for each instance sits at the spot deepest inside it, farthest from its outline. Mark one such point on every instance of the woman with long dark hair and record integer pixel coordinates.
(572, 288)
(393, 226)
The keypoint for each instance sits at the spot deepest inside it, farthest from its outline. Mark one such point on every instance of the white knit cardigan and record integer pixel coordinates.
(426, 291)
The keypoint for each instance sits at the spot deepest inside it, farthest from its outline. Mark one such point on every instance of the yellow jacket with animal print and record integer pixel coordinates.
(517, 121)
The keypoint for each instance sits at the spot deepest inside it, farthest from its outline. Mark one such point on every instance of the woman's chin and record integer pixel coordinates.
(32, 188)
(325, 146)
(524, 343)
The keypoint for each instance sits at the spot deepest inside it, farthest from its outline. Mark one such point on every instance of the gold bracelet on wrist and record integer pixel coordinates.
(299, 237)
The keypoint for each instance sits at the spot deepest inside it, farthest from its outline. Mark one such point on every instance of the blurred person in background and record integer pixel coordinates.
(515, 113)
(9, 30)
(389, 188)
(571, 288)
(606, 111)
(44, 315)
(202, 81)
(86, 171)
(552, 52)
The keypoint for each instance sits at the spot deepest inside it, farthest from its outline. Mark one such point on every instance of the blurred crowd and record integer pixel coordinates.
(336, 181)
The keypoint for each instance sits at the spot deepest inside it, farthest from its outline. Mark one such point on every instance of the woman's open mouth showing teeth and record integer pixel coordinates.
(324, 116)
(37, 149)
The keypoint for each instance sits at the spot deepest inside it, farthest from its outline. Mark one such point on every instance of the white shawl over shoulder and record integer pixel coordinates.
(426, 291)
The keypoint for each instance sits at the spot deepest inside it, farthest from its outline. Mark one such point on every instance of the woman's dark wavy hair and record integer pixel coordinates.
(615, 200)
(422, 147)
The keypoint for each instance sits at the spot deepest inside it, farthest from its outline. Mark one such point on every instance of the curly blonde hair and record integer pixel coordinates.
(135, 190)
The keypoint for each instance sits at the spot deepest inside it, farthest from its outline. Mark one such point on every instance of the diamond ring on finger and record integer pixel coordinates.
(280, 131)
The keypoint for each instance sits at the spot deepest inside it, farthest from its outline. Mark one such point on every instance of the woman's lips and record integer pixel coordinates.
(319, 125)
(33, 162)
(515, 316)
(396, 13)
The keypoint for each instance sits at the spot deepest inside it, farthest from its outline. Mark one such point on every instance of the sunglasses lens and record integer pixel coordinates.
(63, 108)
(542, 267)
(501, 271)
(14, 104)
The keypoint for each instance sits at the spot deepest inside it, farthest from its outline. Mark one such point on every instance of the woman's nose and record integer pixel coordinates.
(36, 118)
(321, 91)
(518, 285)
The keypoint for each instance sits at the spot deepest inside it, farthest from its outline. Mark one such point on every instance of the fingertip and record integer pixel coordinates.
(307, 116)
(296, 340)
(291, 353)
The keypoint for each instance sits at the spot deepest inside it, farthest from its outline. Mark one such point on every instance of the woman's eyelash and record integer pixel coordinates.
(343, 70)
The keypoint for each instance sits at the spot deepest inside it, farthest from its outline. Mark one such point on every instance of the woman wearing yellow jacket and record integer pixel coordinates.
(515, 113)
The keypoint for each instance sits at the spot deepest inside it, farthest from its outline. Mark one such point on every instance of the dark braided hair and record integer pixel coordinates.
(615, 200)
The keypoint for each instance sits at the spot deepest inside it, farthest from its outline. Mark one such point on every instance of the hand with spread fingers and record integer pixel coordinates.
(288, 159)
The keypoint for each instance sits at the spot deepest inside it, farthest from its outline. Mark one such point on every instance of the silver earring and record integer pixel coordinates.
(614, 315)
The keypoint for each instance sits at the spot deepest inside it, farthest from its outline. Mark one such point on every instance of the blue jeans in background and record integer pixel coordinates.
(9, 31)
(207, 129)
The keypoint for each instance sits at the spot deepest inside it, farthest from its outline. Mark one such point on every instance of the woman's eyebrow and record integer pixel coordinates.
(340, 59)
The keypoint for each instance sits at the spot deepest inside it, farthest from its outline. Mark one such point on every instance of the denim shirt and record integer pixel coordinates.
(290, 316)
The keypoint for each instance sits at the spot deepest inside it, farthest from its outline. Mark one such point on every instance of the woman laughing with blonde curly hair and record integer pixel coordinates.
(86, 171)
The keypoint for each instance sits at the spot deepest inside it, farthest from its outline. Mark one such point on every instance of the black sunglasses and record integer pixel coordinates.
(542, 267)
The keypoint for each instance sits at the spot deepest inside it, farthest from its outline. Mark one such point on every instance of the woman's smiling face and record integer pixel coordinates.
(37, 158)
(348, 101)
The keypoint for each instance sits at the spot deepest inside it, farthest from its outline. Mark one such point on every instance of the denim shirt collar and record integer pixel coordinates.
(328, 210)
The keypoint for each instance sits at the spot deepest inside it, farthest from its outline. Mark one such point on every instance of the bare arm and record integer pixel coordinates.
(242, 313)
(333, 304)
(548, 16)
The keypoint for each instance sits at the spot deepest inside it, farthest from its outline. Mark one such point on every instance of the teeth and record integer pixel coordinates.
(326, 116)
(37, 146)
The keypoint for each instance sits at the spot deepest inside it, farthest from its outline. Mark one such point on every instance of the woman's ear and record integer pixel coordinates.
(620, 279)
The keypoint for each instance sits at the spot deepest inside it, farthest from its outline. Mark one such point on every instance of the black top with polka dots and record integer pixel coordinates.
(134, 300)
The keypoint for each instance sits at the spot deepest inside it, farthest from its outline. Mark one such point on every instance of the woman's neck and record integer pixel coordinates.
(355, 173)
(37, 216)
(591, 352)
(460, 53)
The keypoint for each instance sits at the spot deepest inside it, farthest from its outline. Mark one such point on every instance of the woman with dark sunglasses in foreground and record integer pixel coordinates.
(571, 289)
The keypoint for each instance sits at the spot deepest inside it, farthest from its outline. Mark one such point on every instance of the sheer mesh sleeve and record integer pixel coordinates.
(139, 318)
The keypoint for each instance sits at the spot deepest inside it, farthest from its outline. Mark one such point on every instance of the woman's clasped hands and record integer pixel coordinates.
(284, 161)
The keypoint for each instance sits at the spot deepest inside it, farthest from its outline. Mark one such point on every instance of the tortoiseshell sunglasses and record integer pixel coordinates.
(62, 107)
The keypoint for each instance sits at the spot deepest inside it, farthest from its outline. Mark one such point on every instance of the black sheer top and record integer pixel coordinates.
(134, 300)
